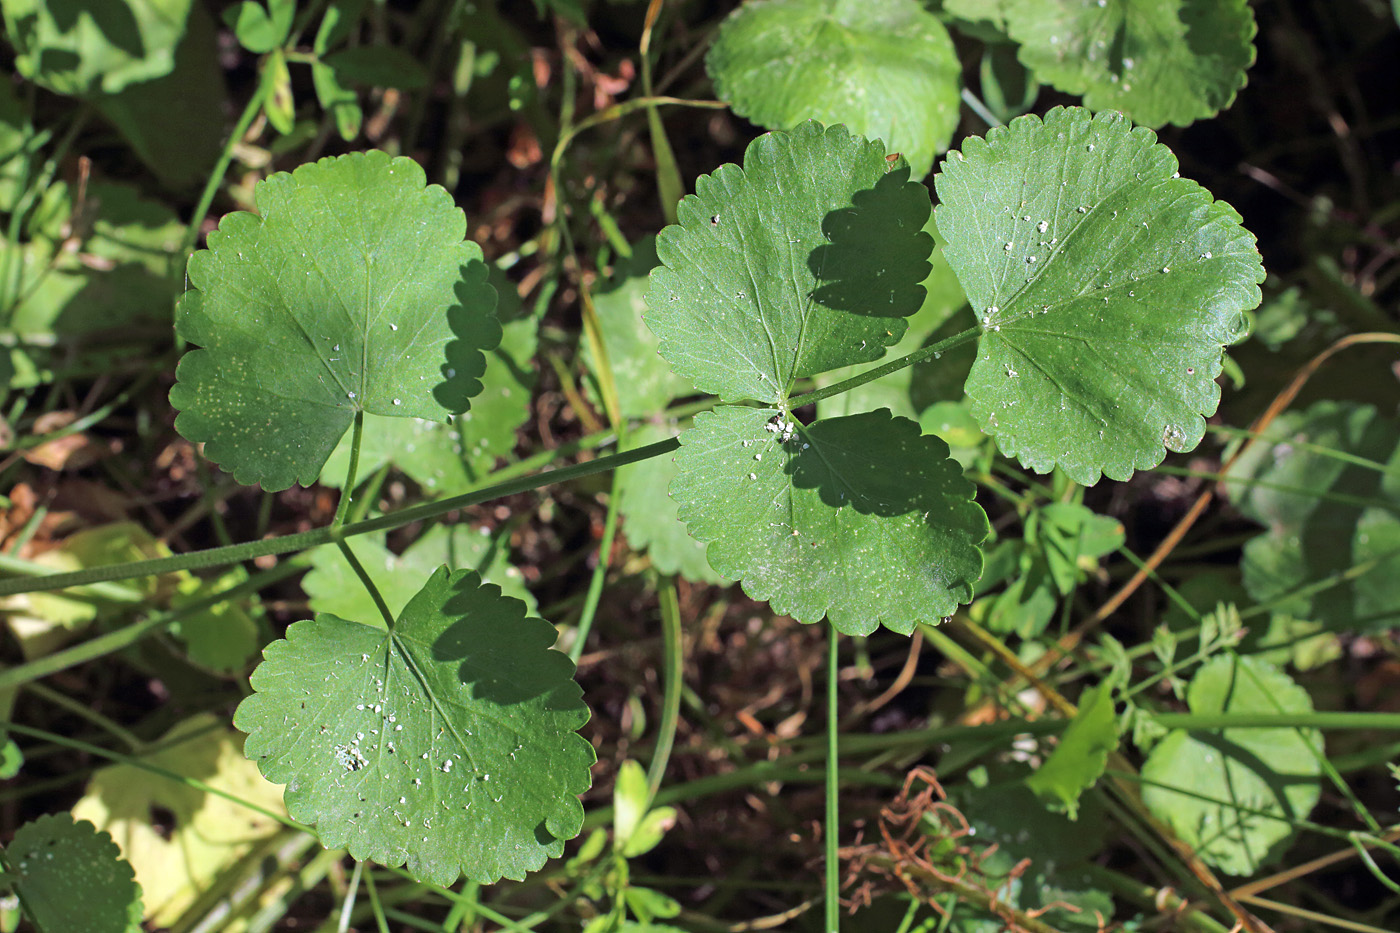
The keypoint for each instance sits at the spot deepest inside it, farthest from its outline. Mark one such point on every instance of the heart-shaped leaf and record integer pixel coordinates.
(1106, 285)
(807, 258)
(353, 291)
(1157, 61)
(447, 744)
(807, 522)
(885, 68)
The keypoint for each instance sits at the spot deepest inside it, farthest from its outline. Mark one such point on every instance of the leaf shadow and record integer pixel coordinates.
(876, 254)
(876, 464)
(473, 323)
(502, 653)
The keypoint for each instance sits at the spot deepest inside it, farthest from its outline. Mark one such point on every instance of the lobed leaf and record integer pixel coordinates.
(807, 524)
(1156, 61)
(447, 745)
(807, 258)
(1107, 288)
(353, 291)
(885, 68)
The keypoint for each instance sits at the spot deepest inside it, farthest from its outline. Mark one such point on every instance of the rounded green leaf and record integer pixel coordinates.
(54, 857)
(1230, 795)
(807, 523)
(353, 291)
(1326, 484)
(1157, 61)
(807, 258)
(1106, 287)
(447, 745)
(885, 68)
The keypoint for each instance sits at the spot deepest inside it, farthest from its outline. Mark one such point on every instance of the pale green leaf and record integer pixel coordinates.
(806, 259)
(1231, 794)
(807, 524)
(89, 49)
(649, 514)
(1326, 484)
(448, 745)
(53, 857)
(1079, 759)
(333, 587)
(1157, 61)
(1106, 287)
(645, 381)
(353, 291)
(885, 68)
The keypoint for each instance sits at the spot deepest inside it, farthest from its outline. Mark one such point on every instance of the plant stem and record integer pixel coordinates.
(833, 785)
(600, 573)
(672, 673)
(364, 576)
(216, 177)
(347, 491)
(220, 556)
(870, 375)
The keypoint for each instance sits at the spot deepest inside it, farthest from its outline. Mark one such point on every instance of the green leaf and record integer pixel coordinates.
(89, 49)
(1079, 760)
(1034, 857)
(126, 290)
(1107, 288)
(885, 68)
(1072, 538)
(807, 523)
(1157, 61)
(632, 349)
(353, 291)
(448, 459)
(650, 517)
(337, 100)
(260, 30)
(902, 391)
(53, 858)
(378, 66)
(1327, 511)
(807, 258)
(226, 636)
(333, 587)
(447, 745)
(1231, 794)
(175, 123)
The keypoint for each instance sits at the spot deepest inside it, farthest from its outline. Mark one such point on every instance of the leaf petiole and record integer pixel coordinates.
(870, 375)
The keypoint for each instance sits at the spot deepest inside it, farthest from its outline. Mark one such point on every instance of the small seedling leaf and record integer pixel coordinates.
(353, 291)
(1233, 794)
(1106, 288)
(448, 745)
(1079, 759)
(807, 258)
(885, 68)
(53, 857)
(1157, 61)
(809, 522)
